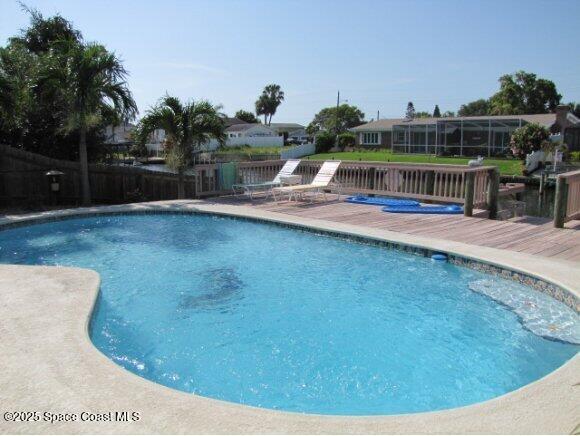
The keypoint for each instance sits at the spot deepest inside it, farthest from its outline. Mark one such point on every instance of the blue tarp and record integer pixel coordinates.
(443, 210)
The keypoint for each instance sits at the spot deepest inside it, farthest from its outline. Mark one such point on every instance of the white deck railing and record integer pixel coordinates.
(567, 206)
(437, 183)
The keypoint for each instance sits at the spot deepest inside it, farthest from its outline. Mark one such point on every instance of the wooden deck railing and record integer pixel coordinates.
(567, 205)
(473, 187)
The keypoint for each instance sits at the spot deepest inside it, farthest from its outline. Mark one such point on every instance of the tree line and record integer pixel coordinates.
(57, 92)
(519, 93)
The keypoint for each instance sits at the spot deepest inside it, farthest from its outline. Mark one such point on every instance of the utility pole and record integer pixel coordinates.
(337, 105)
(378, 115)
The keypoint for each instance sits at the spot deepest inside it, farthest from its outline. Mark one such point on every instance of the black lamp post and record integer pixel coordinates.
(54, 179)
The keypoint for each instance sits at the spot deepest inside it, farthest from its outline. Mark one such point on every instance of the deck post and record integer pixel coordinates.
(561, 202)
(493, 193)
(469, 193)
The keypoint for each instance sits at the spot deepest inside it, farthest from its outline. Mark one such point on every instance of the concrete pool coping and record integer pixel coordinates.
(50, 364)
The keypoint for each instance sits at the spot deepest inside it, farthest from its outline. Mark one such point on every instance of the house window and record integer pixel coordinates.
(371, 138)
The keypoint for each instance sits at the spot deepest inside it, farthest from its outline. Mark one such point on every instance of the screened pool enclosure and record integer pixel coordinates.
(455, 136)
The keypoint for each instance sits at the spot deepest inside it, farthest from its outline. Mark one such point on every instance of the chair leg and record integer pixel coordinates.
(315, 196)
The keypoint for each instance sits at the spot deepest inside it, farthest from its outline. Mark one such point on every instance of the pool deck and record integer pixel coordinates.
(50, 365)
(530, 235)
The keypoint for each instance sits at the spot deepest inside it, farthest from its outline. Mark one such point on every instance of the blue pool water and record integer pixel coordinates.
(283, 319)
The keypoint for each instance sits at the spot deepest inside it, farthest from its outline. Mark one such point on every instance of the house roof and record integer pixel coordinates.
(380, 125)
(294, 126)
(545, 119)
(232, 121)
(243, 127)
(387, 124)
(239, 127)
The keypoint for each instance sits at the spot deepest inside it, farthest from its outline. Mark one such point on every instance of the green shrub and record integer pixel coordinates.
(528, 138)
(324, 142)
(575, 156)
(346, 139)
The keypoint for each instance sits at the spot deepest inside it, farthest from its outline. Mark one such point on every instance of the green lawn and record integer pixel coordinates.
(506, 166)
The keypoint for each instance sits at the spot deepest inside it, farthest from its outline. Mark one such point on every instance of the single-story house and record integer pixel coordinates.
(247, 130)
(250, 134)
(299, 135)
(119, 135)
(285, 129)
(121, 138)
(469, 136)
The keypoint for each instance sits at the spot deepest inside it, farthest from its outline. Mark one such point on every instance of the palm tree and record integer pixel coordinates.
(91, 81)
(262, 107)
(268, 102)
(187, 127)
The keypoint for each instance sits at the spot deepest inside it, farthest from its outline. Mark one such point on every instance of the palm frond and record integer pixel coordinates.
(187, 126)
(87, 77)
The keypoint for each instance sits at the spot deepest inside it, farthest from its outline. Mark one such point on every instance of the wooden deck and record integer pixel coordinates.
(527, 235)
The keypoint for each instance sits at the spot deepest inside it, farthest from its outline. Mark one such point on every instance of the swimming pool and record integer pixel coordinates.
(273, 317)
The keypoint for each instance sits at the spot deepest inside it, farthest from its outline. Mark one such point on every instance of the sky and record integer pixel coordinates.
(378, 54)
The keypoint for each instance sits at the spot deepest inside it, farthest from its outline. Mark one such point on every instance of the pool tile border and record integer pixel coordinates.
(554, 291)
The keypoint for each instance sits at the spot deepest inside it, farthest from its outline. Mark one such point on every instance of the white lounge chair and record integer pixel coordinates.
(250, 188)
(321, 181)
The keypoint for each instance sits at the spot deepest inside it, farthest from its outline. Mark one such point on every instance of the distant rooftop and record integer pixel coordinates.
(286, 126)
(388, 123)
(242, 127)
(232, 121)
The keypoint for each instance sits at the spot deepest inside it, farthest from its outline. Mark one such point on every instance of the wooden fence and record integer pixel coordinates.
(567, 206)
(473, 187)
(23, 181)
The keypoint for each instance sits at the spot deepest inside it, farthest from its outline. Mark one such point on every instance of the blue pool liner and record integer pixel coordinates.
(442, 210)
(379, 201)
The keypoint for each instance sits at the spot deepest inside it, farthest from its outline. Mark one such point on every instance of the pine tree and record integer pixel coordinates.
(410, 114)
(436, 112)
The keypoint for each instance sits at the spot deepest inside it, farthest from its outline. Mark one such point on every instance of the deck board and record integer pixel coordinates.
(532, 236)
